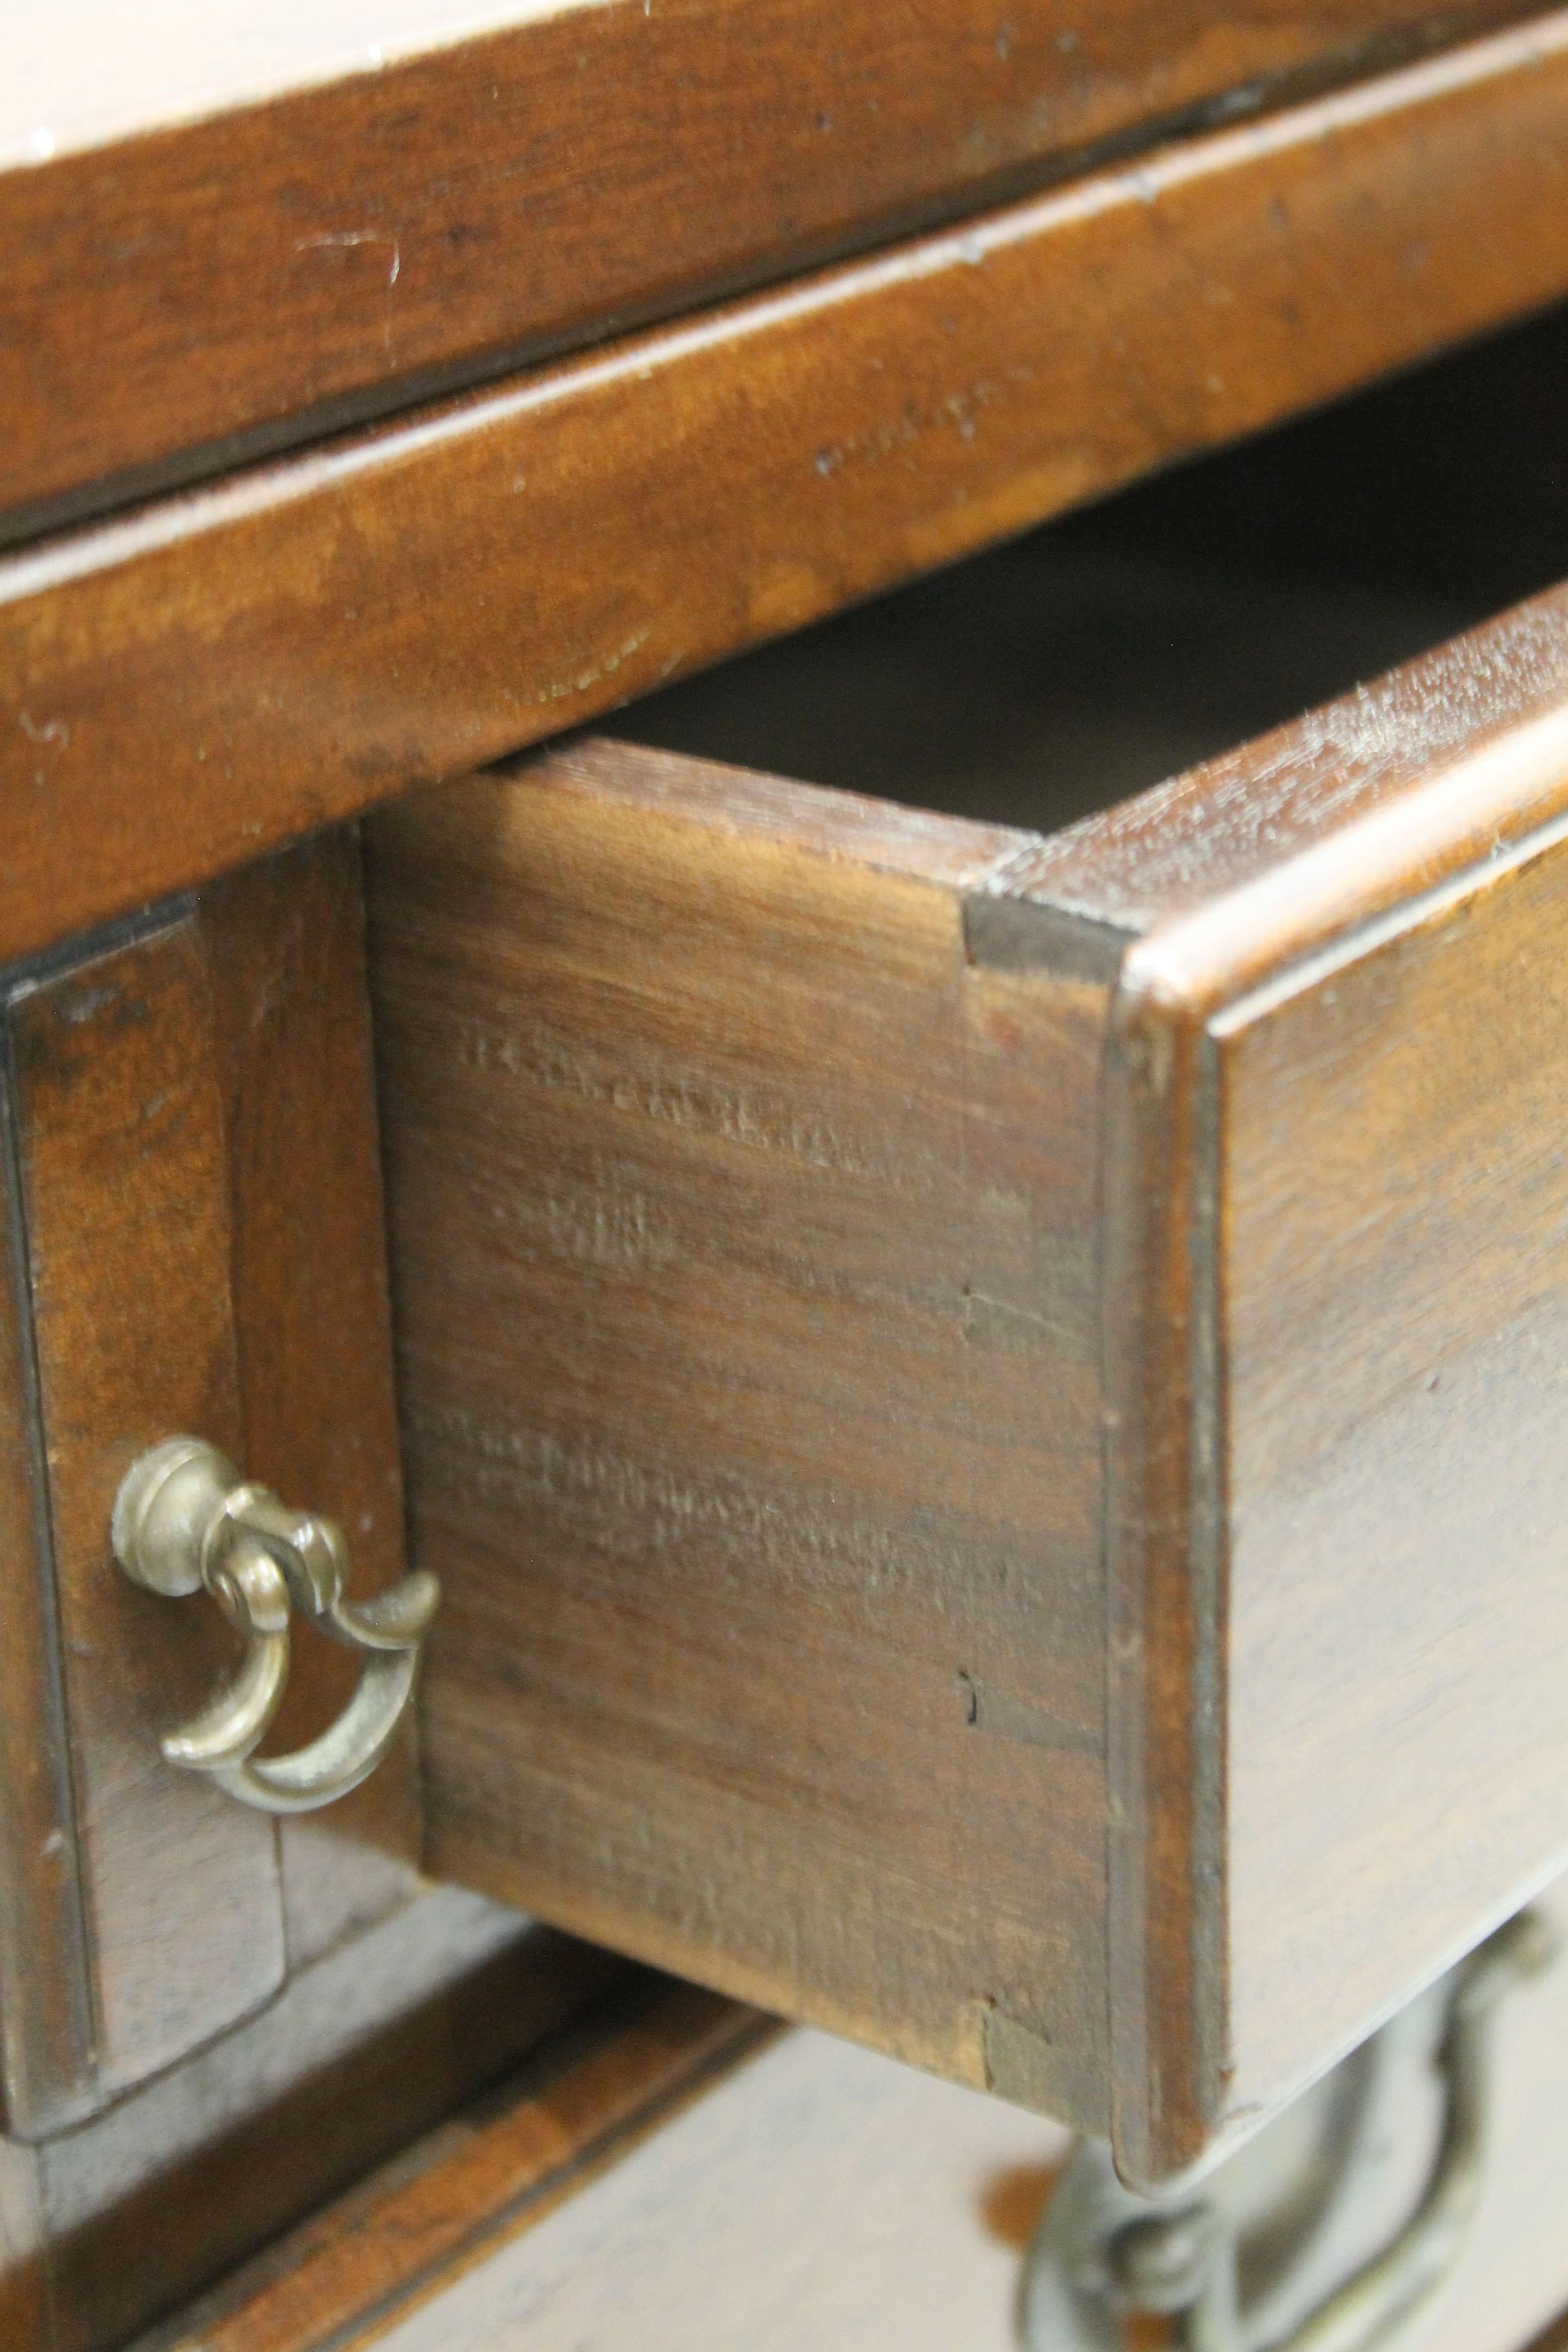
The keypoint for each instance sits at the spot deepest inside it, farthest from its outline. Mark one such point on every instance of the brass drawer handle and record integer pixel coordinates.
(185, 1521)
(1103, 2261)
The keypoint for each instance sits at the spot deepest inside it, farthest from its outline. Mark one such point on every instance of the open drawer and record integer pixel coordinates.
(991, 1403)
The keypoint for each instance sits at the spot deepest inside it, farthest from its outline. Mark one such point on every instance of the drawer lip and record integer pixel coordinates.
(1270, 849)
(1386, 814)
(885, 837)
(1204, 901)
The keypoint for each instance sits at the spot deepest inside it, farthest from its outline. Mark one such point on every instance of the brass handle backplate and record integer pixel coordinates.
(185, 1521)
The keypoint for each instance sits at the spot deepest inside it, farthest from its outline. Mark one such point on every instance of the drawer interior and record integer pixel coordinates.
(1104, 652)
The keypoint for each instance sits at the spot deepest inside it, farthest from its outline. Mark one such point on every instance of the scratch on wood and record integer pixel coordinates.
(959, 408)
(613, 1225)
(347, 238)
(562, 690)
(613, 1499)
(52, 731)
(541, 1057)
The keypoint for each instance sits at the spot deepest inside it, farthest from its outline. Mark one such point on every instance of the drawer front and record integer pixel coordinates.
(192, 1209)
(988, 1405)
(172, 1915)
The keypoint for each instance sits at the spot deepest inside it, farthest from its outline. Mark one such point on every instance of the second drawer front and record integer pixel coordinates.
(986, 1404)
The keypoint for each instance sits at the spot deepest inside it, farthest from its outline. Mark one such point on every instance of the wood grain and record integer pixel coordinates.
(480, 2177)
(464, 584)
(1222, 1275)
(714, 1113)
(346, 245)
(195, 1243)
(285, 943)
(1255, 1223)
(46, 2021)
(748, 1356)
(24, 2307)
(1393, 1198)
(125, 1196)
(194, 1239)
(1443, 759)
(365, 2050)
(819, 2194)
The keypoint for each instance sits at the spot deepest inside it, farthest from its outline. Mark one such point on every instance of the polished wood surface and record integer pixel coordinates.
(234, 2017)
(46, 2019)
(812, 2194)
(581, 2104)
(748, 1360)
(191, 686)
(24, 2283)
(196, 1245)
(365, 2049)
(1362, 1212)
(125, 1197)
(1393, 1273)
(348, 241)
(750, 1354)
(286, 950)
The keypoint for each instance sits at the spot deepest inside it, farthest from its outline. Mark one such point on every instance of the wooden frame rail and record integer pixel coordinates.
(184, 688)
(340, 243)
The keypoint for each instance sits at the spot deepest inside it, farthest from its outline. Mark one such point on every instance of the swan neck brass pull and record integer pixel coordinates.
(1105, 2264)
(185, 1521)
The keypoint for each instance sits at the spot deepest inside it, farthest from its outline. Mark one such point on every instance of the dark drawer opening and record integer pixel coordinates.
(1102, 653)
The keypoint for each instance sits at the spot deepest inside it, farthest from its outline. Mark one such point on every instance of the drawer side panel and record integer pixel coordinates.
(743, 1247)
